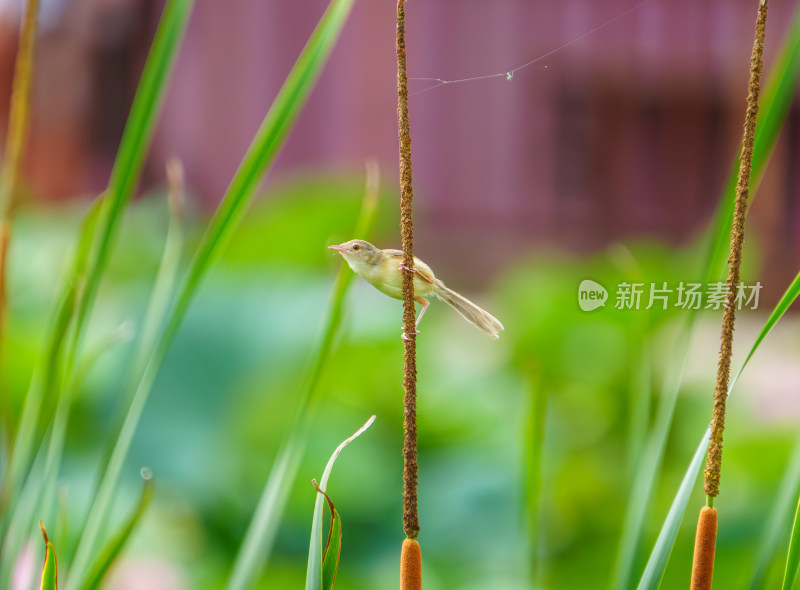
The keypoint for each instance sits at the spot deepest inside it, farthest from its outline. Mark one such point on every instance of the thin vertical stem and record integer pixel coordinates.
(18, 124)
(410, 518)
(535, 425)
(19, 115)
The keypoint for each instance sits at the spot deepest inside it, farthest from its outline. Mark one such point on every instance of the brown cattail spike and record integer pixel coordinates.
(410, 517)
(410, 566)
(704, 544)
(714, 455)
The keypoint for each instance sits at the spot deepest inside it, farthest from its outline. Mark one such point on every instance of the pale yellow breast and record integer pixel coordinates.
(386, 277)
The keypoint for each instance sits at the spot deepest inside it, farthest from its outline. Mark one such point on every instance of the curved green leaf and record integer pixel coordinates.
(333, 545)
(50, 569)
(654, 571)
(322, 565)
(109, 554)
(781, 308)
(793, 557)
(776, 525)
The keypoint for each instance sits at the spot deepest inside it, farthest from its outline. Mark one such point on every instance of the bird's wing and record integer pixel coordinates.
(423, 268)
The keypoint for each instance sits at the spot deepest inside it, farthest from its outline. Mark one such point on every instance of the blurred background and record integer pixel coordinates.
(603, 158)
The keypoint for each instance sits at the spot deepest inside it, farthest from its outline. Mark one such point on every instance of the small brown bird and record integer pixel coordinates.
(382, 268)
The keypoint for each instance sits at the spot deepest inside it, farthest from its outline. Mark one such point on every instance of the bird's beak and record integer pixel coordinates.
(339, 249)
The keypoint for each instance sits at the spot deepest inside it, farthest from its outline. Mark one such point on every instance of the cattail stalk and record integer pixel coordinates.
(410, 518)
(714, 455)
(410, 556)
(705, 541)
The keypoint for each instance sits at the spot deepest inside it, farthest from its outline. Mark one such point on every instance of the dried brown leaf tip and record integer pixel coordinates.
(410, 566)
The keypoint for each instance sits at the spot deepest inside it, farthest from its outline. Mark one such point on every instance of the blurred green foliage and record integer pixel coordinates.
(225, 397)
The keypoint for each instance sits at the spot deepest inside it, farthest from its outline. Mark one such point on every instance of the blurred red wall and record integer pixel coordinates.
(629, 131)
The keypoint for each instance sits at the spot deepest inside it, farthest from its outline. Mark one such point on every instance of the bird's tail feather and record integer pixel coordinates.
(469, 311)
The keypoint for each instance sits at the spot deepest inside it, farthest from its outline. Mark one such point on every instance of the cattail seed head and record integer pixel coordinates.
(704, 545)
(410, 566)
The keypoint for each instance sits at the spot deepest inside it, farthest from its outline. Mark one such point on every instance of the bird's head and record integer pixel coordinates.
(359, 254)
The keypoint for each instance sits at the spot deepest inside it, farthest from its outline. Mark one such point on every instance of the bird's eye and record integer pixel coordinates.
(356, 246)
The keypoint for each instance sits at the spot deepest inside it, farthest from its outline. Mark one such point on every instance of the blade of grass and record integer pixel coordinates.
(50, 569)
(18, 122)
(163, 290)
(640, 385)
(106, 557)
(43, 488)
(781, 308)
(333, 550)
(130, 158)
(158, 305)
(657, 564)
(62, 518)
(127, 167)
(166, 279)
(791, 478)
(259, 156)
(17, 533)
(46, 366)
(535, 431)
(776, 524)
(649, 466)
(793, 556)
(39, 490)
(58, 432)
(43, 383)
(315, 577)
(257, 543)
(135, 142)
